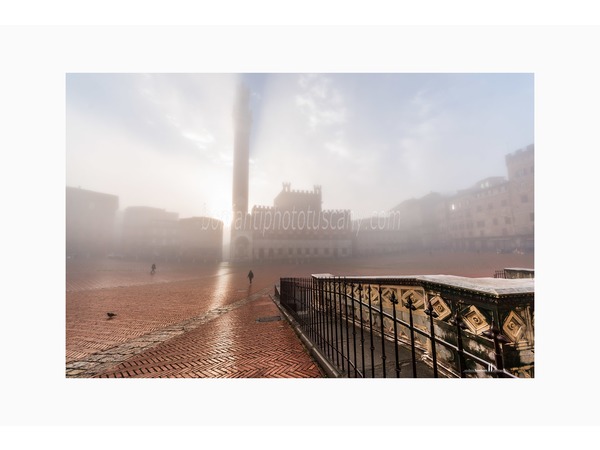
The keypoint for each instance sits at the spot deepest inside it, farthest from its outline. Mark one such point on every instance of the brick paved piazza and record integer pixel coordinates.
(202, 321)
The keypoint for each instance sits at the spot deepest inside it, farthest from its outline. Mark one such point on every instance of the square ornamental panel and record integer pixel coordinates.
(514, 327)
(440, 307)
(475, 320)
(417, 297)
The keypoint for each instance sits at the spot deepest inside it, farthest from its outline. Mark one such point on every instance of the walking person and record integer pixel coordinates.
(153, 270)
(250, 276)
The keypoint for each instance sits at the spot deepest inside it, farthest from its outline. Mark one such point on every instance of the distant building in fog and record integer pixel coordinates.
(296, 228)
(90, 222)
(95, 228)
(200, 239)
(157, 234)
(495, 214)
(520, 165)
(414, 224)
(149, 233)
(479, 218)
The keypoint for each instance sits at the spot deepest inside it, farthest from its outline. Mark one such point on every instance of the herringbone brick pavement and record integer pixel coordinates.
(189, 322)
(233, 345)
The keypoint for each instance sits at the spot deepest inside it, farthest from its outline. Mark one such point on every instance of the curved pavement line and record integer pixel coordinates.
(96, 363)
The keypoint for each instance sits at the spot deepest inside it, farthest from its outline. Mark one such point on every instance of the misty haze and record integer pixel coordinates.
(219, 199)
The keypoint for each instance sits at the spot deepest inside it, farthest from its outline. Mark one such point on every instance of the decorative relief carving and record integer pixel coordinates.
(514, 327)
(475, 320)
(386, 293)
(417, 297)
(440, 307)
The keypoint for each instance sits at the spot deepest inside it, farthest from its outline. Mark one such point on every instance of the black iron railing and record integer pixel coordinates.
(410, 326)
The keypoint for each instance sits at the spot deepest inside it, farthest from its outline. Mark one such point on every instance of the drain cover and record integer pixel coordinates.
(269, 319)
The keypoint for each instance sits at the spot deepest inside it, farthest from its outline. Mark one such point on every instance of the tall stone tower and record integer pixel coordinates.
(241, 237)
(242, 122)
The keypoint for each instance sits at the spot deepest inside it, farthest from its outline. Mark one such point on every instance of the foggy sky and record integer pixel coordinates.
(370, 140)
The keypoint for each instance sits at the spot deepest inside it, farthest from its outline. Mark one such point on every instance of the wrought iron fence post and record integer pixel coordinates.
(383, 357)
(353, 331)
(320, 312)
(341, 289)
(394, 302)
(330, 290)
(432, 314)
(314, 300)
(371, 333)
(362, 333)
(345, 317)
(460, 326)
(336, 299)
(494, 333)
(411, 307)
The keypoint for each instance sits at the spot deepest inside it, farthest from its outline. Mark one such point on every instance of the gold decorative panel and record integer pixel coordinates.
(475, 320)
(440, 307)
(514, 327)
(417, 297)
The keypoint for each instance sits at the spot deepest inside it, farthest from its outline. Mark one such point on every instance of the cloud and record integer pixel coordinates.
(320, 102)
(202, 139)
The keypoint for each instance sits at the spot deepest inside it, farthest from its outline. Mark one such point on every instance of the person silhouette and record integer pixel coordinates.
(153, 270)
(250, 276)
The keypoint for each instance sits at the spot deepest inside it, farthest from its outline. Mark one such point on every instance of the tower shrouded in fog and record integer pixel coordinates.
(242, 122)
(241, 238)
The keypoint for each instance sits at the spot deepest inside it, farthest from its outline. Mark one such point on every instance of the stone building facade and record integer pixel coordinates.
(495, 214)
(149, 233)
(90, 222)
(295, 228)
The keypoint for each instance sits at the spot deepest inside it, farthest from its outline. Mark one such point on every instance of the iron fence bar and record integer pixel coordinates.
(331, 318)
(295, 309)
(371, 334)
(313, 309)
(321, 324)
(353, 328)
(494, 333)
(461, 355)
(411, 308)
(341, 324)
(383, 358)
(362, 325)
(394, 301)
(316, 309)
(460, 326)
(334, 324)
(432, 314)
(304, 299)
(330, 321)
(348, 327)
